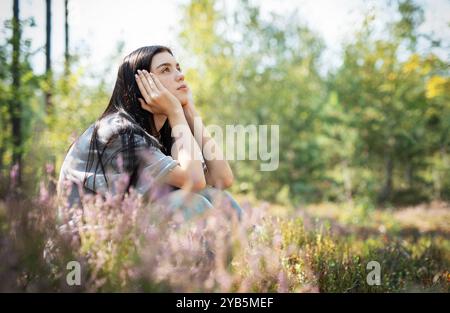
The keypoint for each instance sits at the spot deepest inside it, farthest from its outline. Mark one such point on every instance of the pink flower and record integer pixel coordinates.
(49, 168)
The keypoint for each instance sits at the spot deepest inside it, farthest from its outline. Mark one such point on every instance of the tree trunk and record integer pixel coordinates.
(347, 177)
(15, 103)
(2, 171)
(409, 174)
(50, 166)
(438, 177)
(66, 38)
(48, 57)
(386, 191)
(3, 144)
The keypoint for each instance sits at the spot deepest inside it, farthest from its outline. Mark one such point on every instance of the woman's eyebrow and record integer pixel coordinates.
(168, 64)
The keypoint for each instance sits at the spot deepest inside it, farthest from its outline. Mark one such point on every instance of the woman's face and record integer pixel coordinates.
(168, 71)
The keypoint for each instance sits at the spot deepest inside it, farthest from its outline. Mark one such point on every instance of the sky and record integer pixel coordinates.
(96, 26)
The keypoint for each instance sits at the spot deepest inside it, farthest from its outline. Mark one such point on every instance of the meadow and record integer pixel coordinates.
(129, 245)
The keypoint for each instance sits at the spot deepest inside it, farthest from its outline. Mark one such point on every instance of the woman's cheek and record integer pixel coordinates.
(164, 82)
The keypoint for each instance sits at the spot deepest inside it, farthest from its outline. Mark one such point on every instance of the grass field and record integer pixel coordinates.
(128, 246)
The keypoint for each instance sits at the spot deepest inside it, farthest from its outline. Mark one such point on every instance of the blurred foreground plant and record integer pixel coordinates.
(126, 243)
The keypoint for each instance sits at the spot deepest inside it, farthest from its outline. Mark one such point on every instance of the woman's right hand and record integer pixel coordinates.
(157, 99)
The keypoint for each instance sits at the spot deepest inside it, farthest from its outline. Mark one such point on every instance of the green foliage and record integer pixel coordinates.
(370, 129)
(267, 76)
(25, 97)
(392, 105)
(377, 127)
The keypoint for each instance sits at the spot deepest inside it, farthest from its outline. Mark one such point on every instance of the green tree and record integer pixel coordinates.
(249, 70)
(387, 100)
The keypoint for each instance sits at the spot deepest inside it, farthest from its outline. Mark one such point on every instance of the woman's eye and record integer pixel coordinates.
(165, 70)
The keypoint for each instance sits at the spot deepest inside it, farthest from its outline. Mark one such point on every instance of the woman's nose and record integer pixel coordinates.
(180, 76)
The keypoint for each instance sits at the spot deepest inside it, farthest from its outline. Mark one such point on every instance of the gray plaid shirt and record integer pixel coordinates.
(152, 165)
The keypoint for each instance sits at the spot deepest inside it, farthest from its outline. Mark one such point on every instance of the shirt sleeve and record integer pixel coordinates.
(150, 163)
(155, 165)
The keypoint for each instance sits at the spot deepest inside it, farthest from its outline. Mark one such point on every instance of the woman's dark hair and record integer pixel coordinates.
(124, 101)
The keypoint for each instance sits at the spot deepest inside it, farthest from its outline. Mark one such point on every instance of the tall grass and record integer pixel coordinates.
(125, 243)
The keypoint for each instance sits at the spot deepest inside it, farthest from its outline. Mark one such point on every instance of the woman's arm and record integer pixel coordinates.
(219, 173)
(185, 150)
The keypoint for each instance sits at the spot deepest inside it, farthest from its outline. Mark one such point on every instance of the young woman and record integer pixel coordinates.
(147, 133)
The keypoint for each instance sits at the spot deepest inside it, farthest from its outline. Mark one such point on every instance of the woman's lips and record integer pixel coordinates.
(183, 88)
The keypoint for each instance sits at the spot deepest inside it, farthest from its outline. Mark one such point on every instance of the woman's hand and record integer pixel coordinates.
(189, 106)
(157, 99)
(190, 100)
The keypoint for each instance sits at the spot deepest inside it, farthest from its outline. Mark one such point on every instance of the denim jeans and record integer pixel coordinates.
(196, 203)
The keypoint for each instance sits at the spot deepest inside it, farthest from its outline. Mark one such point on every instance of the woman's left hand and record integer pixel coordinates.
(189, 104)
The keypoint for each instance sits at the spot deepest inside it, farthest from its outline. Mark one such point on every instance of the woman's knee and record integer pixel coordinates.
(222, 197)
(188, 202)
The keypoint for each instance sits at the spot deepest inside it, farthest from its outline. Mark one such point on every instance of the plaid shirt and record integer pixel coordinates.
(151, 163)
